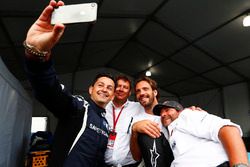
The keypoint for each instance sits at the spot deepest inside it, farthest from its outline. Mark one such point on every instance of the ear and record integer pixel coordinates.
(155, 93)
(90, 90)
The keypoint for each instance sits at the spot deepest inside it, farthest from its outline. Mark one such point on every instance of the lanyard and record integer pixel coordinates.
(115, 120)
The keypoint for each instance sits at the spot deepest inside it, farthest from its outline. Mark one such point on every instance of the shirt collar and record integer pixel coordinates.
(172, 125)
(125, 104)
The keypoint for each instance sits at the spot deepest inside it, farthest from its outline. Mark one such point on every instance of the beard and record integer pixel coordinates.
(166, 121)
(147, 100)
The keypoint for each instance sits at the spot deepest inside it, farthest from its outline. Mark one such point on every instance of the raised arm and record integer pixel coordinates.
(40, 39)
(231, 139)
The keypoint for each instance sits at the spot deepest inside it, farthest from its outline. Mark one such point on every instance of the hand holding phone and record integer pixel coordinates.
(77, 13)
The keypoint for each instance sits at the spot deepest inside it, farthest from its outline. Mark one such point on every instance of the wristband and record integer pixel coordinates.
(35, 53)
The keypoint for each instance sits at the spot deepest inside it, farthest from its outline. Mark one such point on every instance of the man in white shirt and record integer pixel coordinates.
(120, 113)
(200, 139)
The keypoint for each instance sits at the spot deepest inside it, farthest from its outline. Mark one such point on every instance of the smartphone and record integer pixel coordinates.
(77, 13)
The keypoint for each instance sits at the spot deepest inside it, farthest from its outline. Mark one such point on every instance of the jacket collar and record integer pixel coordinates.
(99, 110)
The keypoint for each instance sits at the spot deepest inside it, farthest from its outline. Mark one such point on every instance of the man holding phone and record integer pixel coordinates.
(81, 135)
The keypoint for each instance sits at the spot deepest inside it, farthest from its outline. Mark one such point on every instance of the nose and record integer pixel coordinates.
(139, 94)
(142, 92)
(104, 88)
(121, 88)
(163, 113)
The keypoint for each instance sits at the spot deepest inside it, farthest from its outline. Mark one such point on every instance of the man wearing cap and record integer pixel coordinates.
(200, 138)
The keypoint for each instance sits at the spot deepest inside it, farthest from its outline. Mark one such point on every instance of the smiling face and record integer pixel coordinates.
(102, 91)
(168, 115)
(122, 91)
(146, 95)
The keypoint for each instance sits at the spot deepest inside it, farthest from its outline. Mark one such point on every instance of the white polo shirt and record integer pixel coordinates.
(120, 153)
(194, 139)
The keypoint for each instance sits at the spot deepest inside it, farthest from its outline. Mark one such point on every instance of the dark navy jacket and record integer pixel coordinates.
(81, 135)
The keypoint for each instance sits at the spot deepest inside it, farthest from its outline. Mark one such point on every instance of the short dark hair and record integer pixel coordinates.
(124, 78)
(151, 82)
(107, 75)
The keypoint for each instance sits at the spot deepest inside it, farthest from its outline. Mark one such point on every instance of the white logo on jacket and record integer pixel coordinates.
(98, 130)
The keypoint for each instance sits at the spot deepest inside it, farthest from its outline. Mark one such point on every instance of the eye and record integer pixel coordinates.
(110, 88)
(100, 85)
(126, 87)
